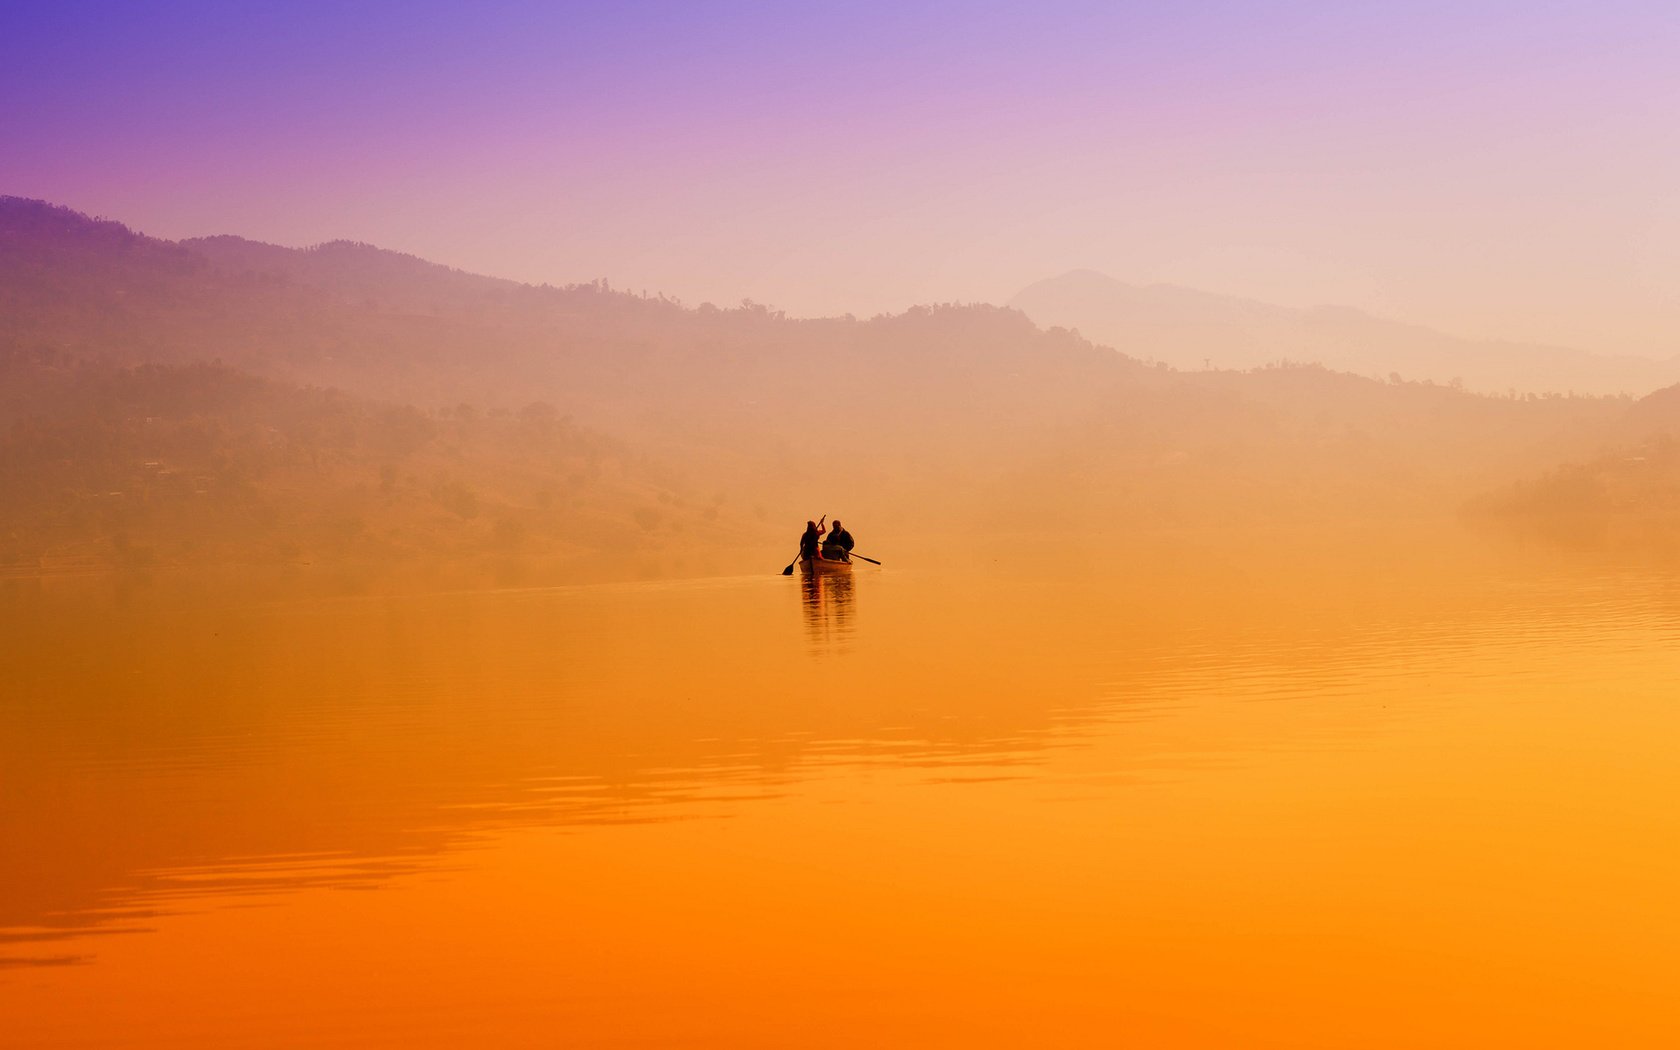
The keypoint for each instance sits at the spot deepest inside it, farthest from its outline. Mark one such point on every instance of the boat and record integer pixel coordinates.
(823, 566)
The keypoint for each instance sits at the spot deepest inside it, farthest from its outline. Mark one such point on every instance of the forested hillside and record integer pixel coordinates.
(1623, 490)
(159, 465)
(223, 399)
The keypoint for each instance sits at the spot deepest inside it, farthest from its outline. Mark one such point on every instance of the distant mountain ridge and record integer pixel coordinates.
(950, 417)
(351, 267)
(1192, 329)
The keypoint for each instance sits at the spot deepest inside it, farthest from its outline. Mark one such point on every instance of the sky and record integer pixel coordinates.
(1496, 170)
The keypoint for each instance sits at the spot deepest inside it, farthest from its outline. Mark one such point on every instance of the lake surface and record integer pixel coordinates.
(1362, 790)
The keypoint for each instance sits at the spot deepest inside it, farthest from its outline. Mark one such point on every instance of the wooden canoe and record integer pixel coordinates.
(823, 566)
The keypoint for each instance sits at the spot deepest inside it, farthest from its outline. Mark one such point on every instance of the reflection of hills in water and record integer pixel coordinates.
(165, 748)
(828, 603)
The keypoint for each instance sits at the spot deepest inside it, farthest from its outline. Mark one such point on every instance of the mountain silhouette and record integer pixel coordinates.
(402, 391)
(1193, 330)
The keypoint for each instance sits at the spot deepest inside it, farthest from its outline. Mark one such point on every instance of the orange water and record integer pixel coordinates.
(1345, 792)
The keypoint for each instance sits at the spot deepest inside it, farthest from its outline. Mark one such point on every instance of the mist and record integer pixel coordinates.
(1256, 430)
(217, 401)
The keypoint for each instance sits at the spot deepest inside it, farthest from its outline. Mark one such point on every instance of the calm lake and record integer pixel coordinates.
(1362, 790)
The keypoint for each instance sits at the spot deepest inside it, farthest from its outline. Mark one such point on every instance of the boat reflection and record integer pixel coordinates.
(828, 602)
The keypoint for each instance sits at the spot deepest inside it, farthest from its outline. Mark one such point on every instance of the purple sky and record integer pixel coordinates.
(1494, 169)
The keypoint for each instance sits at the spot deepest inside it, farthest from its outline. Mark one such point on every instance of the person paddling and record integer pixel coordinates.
(811, 542)
(838, 546)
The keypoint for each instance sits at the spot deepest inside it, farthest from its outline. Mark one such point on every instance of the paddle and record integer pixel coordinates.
(871, 561)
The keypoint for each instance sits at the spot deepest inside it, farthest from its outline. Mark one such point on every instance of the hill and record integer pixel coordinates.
(1192, 329)
(955, 419)
(1621, 490)
(167, 465)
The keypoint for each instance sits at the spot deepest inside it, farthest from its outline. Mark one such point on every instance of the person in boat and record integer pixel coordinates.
(838, 546)
(811, 542)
